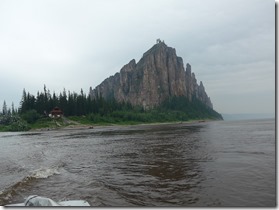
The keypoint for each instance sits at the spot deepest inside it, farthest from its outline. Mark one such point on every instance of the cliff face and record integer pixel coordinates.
(158, 75)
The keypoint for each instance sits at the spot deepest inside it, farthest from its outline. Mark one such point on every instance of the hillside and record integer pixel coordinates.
(158, 76)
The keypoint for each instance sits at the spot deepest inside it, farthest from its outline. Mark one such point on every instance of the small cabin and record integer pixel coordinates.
(56, 112)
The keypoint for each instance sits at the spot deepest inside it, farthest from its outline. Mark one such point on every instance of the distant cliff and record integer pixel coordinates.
(159, 75)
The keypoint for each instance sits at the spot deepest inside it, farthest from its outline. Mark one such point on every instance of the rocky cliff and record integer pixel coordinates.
(159, 75)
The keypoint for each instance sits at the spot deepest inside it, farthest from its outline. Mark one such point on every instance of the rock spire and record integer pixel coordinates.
(158, 75)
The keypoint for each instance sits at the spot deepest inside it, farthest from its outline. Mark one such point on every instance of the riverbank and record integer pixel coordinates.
(85, 122)
(78, 126)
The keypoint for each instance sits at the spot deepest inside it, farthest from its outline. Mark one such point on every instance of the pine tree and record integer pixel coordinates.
(13, 109)
(23, 105)
(4, 109)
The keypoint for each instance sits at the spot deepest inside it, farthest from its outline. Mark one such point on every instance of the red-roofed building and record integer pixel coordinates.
(56, 112)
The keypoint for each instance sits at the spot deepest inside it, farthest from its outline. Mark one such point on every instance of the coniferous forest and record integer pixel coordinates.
(82, 108)
(72, 104)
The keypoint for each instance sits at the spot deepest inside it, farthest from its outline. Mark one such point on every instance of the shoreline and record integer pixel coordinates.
(93, 126)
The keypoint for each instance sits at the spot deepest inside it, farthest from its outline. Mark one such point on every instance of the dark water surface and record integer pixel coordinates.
(224, 163)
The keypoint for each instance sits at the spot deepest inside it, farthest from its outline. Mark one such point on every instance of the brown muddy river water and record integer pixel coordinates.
(222, 163)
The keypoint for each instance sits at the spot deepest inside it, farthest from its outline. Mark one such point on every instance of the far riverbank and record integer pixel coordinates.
(74, 125)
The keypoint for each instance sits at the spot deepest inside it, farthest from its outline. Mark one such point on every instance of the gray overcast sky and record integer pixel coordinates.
(75, 44)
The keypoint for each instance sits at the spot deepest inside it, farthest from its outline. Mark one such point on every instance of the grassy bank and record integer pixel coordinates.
(32, 120)
(84, 122)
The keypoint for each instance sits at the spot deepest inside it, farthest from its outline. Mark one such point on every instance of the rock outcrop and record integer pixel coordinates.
(159, 75)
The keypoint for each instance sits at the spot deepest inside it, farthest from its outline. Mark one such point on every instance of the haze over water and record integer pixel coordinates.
(221, 163)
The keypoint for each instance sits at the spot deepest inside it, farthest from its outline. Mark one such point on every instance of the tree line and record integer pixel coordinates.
(71, 103)
(74, 104)
(7, 110)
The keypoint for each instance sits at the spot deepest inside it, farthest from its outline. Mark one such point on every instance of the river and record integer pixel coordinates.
(218, 163)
